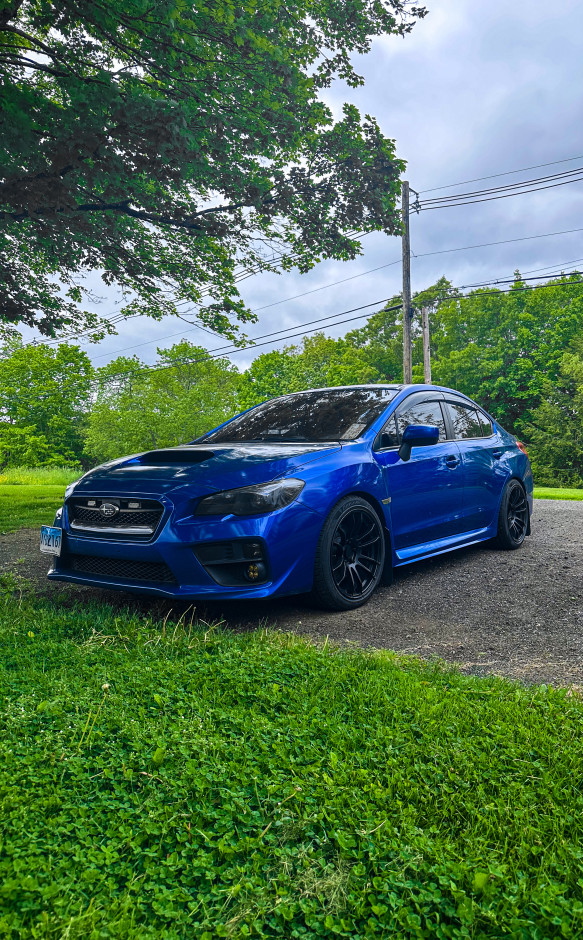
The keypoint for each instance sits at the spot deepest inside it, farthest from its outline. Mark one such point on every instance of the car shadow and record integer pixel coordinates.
(289, 612)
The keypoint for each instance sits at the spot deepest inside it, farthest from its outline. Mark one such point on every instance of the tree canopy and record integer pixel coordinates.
(170, 145)
(518, 353)
(44, 397)
(555, 433)
(504, 349)
(320, 361)
(138, 408)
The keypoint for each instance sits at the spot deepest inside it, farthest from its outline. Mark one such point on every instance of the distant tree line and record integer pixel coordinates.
(519, 353)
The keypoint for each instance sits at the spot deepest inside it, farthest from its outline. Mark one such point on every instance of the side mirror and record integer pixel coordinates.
(417, 435)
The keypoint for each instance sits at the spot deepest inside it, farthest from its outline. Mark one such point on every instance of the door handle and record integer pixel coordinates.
(497, 453)
(452, 461)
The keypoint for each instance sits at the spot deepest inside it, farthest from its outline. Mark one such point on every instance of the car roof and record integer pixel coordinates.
(398, 386)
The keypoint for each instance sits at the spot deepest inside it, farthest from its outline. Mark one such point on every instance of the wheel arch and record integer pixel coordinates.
(376, 505)
(513, 475)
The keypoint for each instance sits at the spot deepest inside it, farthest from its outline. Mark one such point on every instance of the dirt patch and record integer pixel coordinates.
(517, 614)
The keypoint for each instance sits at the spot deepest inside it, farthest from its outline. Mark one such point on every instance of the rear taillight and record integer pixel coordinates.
(521, 447)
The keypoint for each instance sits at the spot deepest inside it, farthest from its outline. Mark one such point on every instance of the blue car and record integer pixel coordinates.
(324, 491)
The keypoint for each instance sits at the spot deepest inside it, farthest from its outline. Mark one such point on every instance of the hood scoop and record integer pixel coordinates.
(173, 456)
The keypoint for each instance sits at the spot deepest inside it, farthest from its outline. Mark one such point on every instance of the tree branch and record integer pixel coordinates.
(9, 12)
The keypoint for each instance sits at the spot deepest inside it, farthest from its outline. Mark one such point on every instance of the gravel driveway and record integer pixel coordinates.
(517, 614)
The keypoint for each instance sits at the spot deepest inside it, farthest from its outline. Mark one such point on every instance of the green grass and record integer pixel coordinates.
(557, 492)
(174, 780)
(39, 476)
(22, 506)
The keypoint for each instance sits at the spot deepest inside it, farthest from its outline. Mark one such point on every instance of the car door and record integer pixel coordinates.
(483, 467)
(426, 491)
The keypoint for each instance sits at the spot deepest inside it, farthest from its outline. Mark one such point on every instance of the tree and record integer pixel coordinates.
(171, 144)
(45, 392)
(502, 349)
(139, 408)
(380, 342)
(556, 432)
(23, 447)
(319, 362)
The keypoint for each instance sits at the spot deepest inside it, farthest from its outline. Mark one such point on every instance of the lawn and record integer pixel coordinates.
(557, 492)
(39, 476)
(174, 780)
(23, 505)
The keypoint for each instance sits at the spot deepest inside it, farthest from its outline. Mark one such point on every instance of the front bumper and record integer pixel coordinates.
(289, 538)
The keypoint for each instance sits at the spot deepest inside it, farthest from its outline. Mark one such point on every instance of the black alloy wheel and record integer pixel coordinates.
(513, 518)
(350, 556)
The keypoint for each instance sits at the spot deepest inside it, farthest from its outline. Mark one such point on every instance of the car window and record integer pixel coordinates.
(390, 433)
(328, 414)
(487, 429)
(465, 421)
(421, 412)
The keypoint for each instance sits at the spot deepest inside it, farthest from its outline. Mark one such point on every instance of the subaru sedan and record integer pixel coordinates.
(325, 492)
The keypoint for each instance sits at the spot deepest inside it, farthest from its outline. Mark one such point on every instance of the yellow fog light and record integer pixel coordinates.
(256, 571)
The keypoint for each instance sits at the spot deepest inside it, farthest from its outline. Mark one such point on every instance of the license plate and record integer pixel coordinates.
(51, 539)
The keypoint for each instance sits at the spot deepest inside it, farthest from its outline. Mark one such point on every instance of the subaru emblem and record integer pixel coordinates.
(108, 510)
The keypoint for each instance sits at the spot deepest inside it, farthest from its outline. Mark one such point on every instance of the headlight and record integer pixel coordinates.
(251, 500)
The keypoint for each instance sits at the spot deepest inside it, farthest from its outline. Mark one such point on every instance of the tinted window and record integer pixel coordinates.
(423, 412)
(465, 421)
(487, 428)
(390, 437)
(337, 414)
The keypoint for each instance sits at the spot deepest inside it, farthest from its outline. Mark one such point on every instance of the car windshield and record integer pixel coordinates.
(338, 414)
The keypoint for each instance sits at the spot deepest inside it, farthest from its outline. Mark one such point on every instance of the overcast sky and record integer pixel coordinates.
(479, 87)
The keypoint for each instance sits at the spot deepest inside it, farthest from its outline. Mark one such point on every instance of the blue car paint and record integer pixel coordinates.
(446, 496)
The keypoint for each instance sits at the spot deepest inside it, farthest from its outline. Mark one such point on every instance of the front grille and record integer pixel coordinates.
(86, 515)
(124, 519)
(122, 569)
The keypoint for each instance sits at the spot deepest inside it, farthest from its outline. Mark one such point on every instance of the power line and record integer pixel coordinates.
(326, 286)
(214, 354)
(479, 179)
(426, 254)
(232, 347)
(504, 241)
(510, 280)
(244, 274)
(221, 352)
(506, 186)
(438, 202)
(505, 195)
(363, 274)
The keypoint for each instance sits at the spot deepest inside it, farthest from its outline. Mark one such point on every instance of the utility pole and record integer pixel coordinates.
(406, 246)
(426, 346)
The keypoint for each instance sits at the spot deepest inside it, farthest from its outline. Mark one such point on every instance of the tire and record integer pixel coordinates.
(350, 557)
(513, 518)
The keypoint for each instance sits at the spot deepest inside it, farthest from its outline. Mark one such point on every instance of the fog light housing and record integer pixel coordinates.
(239, 562)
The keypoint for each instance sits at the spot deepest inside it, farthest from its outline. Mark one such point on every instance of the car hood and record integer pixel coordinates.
(207, 467)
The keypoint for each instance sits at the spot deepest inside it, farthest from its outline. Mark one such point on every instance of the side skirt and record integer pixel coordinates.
(412, 553)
